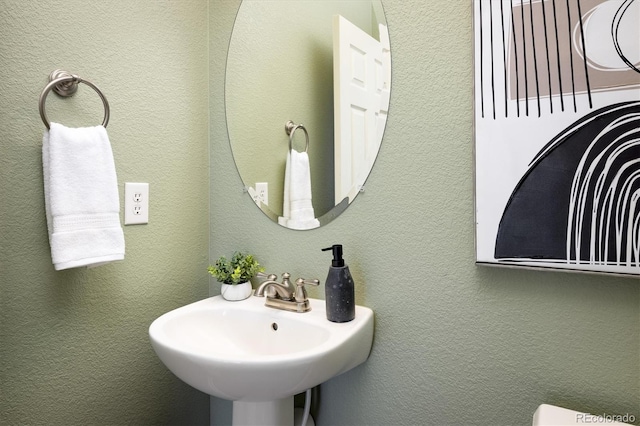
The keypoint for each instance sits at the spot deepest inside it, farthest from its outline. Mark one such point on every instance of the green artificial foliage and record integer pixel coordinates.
(240, 269)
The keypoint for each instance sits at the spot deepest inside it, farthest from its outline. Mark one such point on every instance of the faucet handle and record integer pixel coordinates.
(264, 277)
(301, 292)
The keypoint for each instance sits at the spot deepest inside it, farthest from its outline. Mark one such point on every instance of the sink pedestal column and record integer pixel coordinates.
(265, 413)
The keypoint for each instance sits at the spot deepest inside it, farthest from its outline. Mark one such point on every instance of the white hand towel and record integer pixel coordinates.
(81, 197)
(286, 205)
(297, 209)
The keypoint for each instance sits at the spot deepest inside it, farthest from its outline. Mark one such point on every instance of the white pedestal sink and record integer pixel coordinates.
(256, 356)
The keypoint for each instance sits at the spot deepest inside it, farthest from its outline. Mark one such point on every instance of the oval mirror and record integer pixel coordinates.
(306, 94)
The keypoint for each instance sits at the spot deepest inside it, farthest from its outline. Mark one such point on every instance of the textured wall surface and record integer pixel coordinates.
(74, 346)
(455, 343)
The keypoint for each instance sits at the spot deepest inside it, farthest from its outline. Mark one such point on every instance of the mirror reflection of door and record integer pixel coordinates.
(361, 81)
(280, 68)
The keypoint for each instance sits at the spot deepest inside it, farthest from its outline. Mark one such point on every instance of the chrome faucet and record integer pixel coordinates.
(284, 295)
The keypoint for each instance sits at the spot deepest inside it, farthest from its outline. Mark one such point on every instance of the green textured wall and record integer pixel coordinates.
(455, 343)
(74, 347)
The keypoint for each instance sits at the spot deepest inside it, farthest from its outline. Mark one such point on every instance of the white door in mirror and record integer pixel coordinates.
(136, 203)
(362, 82)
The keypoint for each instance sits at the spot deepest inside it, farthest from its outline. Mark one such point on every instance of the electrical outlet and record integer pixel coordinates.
(136, 203)
(262, 193)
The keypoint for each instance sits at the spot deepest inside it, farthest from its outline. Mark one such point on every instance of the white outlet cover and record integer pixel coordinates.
(262, 193)
(136, 203)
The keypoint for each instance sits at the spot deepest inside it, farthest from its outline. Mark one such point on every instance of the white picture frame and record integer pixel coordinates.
(557, 134)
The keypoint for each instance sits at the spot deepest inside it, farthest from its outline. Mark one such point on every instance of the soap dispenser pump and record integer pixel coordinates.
(339, 289)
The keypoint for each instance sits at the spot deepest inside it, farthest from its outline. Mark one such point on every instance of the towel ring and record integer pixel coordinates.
(65, 84)
(290, 127)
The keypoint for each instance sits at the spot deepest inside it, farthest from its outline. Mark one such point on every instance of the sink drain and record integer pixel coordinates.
(274, 326)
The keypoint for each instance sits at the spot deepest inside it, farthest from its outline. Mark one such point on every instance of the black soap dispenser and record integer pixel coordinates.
(339, 290)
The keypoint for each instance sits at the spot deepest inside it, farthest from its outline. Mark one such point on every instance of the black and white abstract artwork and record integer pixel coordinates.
(557, 134)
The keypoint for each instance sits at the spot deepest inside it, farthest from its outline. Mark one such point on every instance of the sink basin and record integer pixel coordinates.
(244, 351)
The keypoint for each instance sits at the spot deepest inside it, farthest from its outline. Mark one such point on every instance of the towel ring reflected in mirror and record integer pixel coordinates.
(290, 127)
(65, 85)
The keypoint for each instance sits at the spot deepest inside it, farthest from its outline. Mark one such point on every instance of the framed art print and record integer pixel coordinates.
(557, 134)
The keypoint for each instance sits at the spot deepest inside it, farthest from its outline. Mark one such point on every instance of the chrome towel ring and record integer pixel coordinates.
(290, 127)
(65, 84)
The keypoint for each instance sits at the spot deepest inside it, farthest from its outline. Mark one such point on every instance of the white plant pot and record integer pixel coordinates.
(236, 292)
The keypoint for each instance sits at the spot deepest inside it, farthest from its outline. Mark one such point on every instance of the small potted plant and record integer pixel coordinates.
(234, 275)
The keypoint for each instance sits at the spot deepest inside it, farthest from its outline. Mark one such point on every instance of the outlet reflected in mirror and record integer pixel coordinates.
(325, 65)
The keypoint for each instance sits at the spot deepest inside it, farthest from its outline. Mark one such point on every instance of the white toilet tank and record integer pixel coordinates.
(550, 415)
